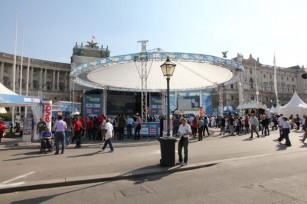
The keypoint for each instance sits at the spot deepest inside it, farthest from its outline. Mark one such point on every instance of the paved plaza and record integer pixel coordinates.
(23, 167)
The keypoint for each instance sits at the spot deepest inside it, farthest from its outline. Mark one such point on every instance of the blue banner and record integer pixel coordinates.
(156, 106)
(207, 103)
(93, 105)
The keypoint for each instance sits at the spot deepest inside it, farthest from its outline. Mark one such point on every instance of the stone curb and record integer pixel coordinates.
(36, 185)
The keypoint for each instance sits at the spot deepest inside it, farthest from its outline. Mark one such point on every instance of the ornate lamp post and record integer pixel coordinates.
(168, 69)
(167, 144)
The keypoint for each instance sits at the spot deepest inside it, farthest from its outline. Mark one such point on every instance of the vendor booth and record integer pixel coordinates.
(10, 99)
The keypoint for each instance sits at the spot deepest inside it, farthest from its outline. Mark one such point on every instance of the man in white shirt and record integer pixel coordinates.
(285, 132)
(108, 136)
(184, 132)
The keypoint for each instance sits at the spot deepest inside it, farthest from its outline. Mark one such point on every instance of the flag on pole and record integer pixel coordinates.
(93, 36)
(275, 79)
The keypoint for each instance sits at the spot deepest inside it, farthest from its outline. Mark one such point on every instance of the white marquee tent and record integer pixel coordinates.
(295, 106)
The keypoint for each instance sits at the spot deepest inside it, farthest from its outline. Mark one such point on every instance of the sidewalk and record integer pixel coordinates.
(24, 168)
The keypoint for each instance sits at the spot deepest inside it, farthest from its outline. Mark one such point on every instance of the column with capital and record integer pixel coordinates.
(17, 77)
(58, 80)
(53, 81)
(31, 78)
(41, 79)
(2, 72)
(45, 79)
(66, 79)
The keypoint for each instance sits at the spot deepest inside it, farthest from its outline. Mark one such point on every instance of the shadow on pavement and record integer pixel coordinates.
(280, 147)
(86, 155)
(155, 176)
(43, 199)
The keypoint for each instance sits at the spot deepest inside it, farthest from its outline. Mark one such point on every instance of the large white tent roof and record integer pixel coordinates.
(295, 102)
(4, 90)
(193, 71)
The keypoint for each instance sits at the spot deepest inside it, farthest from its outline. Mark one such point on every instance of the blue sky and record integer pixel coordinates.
(259, 27)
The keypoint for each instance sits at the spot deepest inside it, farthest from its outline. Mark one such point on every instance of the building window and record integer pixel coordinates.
(282, 78)
(232, 97)
(6, 70)
(251, 72)
(231, 86)
(264, 76)
(292, 79)
(251, 83)
(35, 84)
(270, 76)
(34, 73)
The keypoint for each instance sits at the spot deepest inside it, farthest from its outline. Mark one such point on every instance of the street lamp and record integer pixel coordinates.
(257, 95)
(168, 69)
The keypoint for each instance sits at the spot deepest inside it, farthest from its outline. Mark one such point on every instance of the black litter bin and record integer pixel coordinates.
(167, 145)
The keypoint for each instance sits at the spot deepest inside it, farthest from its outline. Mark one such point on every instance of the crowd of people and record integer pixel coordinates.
(74, 129)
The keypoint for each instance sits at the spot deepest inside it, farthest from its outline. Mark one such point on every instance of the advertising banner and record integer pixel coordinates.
(156, 106)
(47, 113)
(93, 105)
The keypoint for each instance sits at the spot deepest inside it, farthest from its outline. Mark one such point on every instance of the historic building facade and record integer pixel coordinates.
(289, 80)
(49, 80)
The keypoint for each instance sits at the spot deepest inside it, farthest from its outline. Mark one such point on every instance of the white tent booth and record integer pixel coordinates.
(9, 99)
(295, 106)
(253, 105)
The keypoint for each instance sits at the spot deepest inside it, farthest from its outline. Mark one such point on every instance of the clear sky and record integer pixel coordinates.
(258, 27)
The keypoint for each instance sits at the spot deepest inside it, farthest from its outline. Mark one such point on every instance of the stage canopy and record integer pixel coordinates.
(123, 73)
(10, 99)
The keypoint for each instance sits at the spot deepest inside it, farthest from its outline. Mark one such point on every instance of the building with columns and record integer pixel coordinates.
(47, 79)
(289, 80)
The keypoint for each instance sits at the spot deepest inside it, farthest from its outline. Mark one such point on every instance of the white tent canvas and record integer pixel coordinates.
(295, 106)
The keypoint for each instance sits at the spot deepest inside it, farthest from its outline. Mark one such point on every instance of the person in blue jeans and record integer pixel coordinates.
(60, 127)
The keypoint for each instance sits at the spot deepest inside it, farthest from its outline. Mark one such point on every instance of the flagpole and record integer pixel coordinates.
(257, 92)
(27, 83)
(21, 64)
(14, 66)
(275, 80)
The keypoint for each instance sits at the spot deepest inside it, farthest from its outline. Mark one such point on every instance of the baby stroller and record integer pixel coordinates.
(46, 144)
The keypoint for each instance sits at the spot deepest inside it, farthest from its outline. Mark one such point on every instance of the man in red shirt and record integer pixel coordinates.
(77, 131)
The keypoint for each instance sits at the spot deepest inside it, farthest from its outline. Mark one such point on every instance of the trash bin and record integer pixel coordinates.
(167, 145)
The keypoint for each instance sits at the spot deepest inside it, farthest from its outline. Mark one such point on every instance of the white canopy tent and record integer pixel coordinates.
(275, 109)
(295, 106)
(253, 105)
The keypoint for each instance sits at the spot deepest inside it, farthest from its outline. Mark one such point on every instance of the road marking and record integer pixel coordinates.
(12, 184)
(18, 177)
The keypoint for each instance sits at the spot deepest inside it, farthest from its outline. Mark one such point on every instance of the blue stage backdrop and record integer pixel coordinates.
(93, 104)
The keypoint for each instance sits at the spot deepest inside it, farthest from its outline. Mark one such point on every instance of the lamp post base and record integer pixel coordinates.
(167, 146)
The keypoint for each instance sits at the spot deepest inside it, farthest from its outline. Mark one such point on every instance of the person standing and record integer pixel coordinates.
(108, 136)
(60, 127)
(129, 126)
(138, 128)
(222, 125)
(231, 124)
(176, 123)
(206, 124)
(184, 132)
(40, 127)
(161, 125)
(2, 129)
(121, 127)
(200, 124)
(297, 121)
(304, 128)
(286, 130)
(77, 131)
(254, 124)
